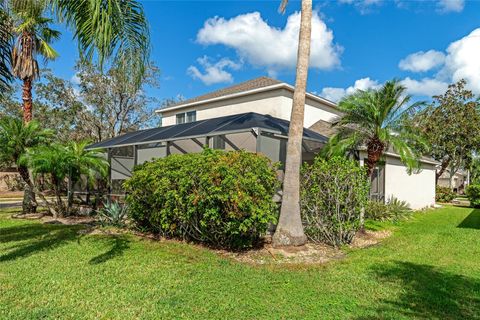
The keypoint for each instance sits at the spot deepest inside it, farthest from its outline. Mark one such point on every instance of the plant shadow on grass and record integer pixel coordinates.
(472, 221)
(428, 293)
(119, 245)
(32, 238)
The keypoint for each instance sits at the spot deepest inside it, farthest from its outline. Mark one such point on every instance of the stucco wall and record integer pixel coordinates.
(418, 189)
(277, 103)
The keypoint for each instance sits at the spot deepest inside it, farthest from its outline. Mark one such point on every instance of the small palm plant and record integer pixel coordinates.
(372, 119)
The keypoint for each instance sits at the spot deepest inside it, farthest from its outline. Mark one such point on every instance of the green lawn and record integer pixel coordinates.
(429, 269)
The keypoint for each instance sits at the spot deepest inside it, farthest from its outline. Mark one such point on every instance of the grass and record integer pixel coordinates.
(428, 269)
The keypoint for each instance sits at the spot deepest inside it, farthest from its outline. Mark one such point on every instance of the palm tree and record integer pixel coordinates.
(372, 119)
(5, 45)
(289, 230)
(65, 162)
(104, 29)
(33, 37)
(15, 138)
(91, 164)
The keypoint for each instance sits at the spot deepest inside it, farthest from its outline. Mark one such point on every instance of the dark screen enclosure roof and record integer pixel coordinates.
(214, 126)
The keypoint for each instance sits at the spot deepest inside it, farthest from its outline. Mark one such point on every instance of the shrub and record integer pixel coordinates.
(473, 194)
(333, 193)
(444, 194)
(393, 210)
(220, 198)
(113, 213)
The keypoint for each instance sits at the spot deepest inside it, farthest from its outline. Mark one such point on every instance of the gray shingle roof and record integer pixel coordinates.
(256, 83)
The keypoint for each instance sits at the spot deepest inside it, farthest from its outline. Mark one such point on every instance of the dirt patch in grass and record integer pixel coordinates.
(44, 218)
(11, 195)
(311, 253)
(369, 238)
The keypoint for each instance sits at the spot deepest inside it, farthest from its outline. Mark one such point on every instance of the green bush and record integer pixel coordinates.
(473, 194)
(219, 198)
(444, 194)
(393, 210)
(333, 193)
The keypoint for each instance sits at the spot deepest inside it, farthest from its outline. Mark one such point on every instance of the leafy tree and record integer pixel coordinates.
(451, 125)
(116, 105)
(290, 229)
(372, 119)
(15, 138)
(65, 162)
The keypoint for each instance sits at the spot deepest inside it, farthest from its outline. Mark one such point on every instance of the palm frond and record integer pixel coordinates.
(6, 40)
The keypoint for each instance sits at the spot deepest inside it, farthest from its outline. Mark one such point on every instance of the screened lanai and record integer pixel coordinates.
(249, 131)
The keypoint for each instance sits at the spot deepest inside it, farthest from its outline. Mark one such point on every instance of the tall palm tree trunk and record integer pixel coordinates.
(29, 204)
(27, 100)
(289, 230)
(29, 199)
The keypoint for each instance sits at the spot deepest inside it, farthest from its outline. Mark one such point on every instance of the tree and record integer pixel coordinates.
(373, 119)
(15, 138)
(451, 125)
(104, 29)
(65, 162)
(116, 105)
(290, 229)
(5, 45)
(33, 38)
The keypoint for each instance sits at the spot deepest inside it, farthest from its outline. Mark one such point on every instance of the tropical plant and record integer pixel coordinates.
(62, 163)
(372, 119)
(333, 195)
(392, 210)
(215, 197)
(15, 138)
(5, 45)
(113, 213)
(33, 37)
(289, 230)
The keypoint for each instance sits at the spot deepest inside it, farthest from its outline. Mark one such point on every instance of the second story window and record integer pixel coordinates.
(186, 117)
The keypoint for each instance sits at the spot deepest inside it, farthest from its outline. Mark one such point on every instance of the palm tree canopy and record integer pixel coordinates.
(6, 37)
(375, 116)
(70, 160)
(16, 137)
(34, 36)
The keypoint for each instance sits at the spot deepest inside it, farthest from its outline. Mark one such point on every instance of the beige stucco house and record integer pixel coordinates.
(254, 115)
(458, 182)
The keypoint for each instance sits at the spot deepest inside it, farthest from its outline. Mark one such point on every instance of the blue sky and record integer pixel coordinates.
(201, 46)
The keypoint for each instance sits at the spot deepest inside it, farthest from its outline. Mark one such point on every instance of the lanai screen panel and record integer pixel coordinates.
(184, 146)
(150, 152)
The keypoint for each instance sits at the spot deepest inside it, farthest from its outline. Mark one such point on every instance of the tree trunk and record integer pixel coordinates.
(375, 149)
(29, 204)
(443, 167)
(289, 230)
(27, 100)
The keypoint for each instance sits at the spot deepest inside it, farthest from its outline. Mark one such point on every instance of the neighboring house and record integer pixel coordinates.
(459, 181)
(254, 115)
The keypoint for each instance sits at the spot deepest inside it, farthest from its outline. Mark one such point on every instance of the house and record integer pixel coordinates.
(254, 115)
(458, 182)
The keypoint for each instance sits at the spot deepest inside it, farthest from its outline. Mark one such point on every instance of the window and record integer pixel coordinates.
(180, 118)
(191, 116)
(186, 117)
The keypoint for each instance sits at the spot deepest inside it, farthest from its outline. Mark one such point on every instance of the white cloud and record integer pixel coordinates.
(422, 61)
(213, 72)
(424, 87)
(364, 6)
(462, 61)
(263, 45)
(445, 6)
(335, 94)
